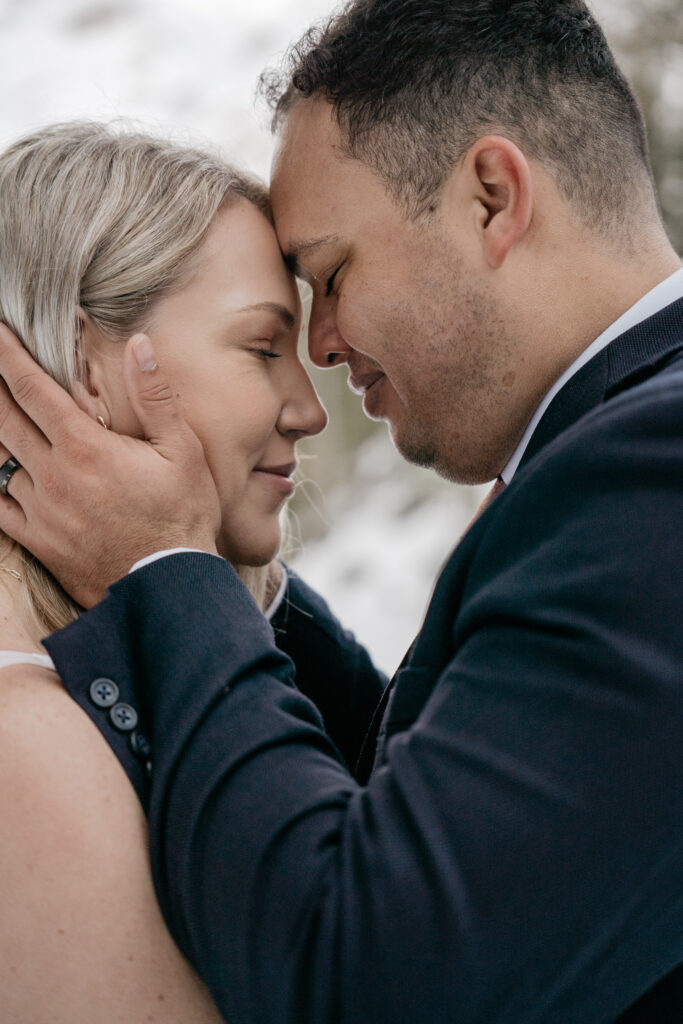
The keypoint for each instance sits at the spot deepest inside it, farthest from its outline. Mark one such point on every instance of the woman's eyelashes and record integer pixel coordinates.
(266, 353)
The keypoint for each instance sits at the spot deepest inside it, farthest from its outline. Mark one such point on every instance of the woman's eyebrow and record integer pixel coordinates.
(285, 315)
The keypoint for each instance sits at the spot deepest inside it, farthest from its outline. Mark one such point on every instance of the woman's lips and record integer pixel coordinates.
(278, 477)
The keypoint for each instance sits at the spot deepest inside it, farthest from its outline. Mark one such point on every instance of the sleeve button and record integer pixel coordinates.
(140, 745)
(104, 693)
(123, 717)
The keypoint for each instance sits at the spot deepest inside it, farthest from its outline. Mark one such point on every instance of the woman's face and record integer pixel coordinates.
(227, 344)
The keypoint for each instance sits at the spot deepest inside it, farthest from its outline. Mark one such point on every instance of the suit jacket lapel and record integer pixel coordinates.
(408, 691)
(626, 361)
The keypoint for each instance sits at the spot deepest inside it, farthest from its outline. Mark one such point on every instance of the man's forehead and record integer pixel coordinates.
(310, 182)
(307, 145)
(302, 198)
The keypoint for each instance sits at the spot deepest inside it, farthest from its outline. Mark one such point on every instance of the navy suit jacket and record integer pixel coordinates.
(510, 847)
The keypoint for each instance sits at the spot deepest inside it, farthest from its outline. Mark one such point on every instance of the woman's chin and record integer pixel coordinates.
(253, 561)
(256, 552)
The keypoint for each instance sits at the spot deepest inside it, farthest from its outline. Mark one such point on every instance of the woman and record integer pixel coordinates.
(104, 234)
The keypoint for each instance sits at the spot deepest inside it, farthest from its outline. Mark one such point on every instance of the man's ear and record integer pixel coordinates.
(90, 391)
(500, 186)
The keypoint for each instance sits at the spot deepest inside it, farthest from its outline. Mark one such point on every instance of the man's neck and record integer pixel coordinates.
(610, 291)
(661, 294)
(574, 298)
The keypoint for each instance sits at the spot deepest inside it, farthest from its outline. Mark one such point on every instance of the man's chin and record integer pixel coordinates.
(418, 452)
(453, 467)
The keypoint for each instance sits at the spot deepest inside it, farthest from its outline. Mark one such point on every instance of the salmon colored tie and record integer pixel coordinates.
(489, 498)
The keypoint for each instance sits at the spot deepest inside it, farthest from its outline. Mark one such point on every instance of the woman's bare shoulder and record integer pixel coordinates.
(34, 704)
(81, 934)
(51, 750)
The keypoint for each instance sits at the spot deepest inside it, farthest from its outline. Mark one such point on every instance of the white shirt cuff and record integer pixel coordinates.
(269, 611)
(162, 554)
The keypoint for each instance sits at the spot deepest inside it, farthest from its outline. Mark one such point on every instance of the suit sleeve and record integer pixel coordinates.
(517, 857)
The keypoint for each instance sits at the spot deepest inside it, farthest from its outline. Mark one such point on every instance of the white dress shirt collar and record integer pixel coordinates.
(658, 298)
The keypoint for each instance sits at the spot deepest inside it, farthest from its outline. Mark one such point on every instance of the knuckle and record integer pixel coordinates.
(159, 391)
(25, 387)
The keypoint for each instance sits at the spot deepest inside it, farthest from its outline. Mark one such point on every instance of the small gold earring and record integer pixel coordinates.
(100, 420)
(12, 572)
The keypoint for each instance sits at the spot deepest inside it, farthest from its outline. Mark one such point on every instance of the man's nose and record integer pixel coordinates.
(326, 346)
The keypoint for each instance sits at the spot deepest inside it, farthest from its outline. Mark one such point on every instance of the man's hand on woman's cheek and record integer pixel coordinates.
(87, 502)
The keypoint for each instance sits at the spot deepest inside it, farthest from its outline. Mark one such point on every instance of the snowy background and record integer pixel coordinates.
(367, 530)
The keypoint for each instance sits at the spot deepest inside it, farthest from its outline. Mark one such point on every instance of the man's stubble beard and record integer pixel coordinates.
(450, 422)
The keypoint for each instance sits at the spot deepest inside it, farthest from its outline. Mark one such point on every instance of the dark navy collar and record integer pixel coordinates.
(629, 359)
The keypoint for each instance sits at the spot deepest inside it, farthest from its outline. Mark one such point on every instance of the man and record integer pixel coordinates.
(466, 187)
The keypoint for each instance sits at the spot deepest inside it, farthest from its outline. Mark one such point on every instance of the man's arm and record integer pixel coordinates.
(499, 866)
(518, 856)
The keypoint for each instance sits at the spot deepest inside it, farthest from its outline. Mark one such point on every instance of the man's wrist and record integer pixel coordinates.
(273, 605)
(165, 553)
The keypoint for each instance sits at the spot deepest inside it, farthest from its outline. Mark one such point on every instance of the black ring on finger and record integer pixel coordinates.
(7, 471)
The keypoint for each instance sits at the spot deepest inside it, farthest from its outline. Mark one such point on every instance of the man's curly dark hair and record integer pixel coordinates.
(414, 83)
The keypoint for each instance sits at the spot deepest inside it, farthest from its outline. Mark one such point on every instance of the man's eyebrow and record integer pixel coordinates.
(284, 314)
(297, 250)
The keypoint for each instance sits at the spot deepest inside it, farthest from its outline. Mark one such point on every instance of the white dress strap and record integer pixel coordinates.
(24, 658)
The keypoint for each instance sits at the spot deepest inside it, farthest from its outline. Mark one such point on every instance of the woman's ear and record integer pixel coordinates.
(90, 390)
(501, 188)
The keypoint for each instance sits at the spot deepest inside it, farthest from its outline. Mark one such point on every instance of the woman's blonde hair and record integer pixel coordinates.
(109, 220)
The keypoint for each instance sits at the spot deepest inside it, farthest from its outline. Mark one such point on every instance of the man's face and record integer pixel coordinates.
(404, 302)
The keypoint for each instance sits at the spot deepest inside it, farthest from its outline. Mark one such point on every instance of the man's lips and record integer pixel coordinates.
(362, 382)
(369, 385)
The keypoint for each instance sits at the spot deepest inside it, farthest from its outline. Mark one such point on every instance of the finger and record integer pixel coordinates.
(152, 398)
(20, 488)
(12, 519)
(20, 437)
(41, 398)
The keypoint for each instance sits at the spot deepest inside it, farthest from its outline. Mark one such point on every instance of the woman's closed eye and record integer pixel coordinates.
(266, 353)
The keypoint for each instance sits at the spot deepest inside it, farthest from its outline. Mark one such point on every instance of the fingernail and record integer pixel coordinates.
(144, 353)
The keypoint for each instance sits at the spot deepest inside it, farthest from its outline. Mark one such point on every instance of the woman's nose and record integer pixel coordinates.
(326, 347)
(302, 414)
